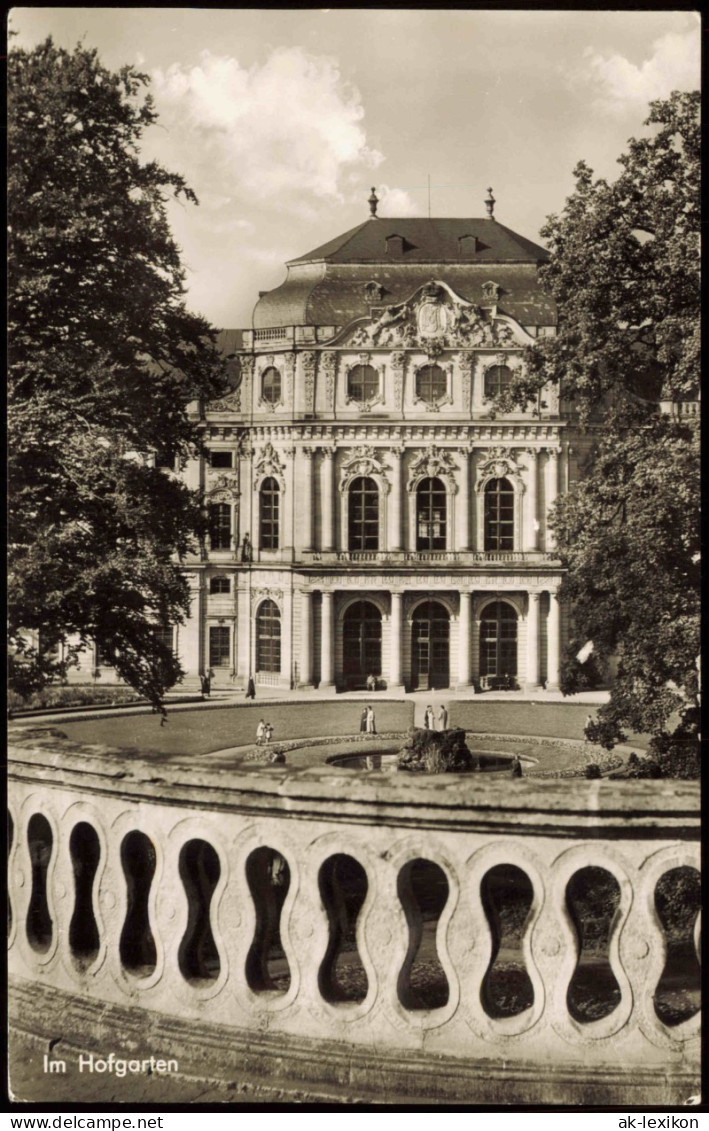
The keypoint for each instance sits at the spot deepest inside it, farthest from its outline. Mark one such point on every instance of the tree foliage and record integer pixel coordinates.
(624, 270)
(104, 359)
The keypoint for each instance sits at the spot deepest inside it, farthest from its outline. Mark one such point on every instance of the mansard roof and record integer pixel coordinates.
(328, 286)
(427, 241)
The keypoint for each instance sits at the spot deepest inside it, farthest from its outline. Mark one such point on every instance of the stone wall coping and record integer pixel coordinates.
(560, 807)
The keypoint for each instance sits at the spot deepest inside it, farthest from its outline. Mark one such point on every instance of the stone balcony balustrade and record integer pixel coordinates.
(464, 558)
(144, 896)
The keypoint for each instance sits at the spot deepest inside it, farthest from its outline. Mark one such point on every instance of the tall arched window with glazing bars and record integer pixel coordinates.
(268, 637)
(269, 497)
(430, 515)
(499, 515)
(363, 531)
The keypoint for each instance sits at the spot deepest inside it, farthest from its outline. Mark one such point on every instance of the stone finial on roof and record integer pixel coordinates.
(373, 202)
(490, 204)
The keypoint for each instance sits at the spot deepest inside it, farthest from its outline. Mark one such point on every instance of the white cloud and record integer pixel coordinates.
(285, 131)
(396, 202)
(621, 85)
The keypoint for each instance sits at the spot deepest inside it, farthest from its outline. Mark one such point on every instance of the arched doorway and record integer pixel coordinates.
(361, 644)
(430, 647)
(498, 645)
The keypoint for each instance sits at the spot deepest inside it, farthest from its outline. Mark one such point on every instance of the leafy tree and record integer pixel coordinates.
(624, 270)
(104, 359)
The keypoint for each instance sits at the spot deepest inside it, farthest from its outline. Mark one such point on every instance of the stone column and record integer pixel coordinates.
(552, 485)
(287, 639)
(532, 524)
(306, 650)
(395, 643)
(464, 640)
(326, 498)
(532, 681)
(394, 541)
(553, 642)
(327, 666)
(303, 503)
(413, 521)
(464, 503)
(289, 503)
(191, 646)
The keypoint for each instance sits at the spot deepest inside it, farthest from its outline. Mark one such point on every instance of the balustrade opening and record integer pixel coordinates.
(137, 945)
(507, 896)
(343, 889)
(423, 890)
(85, 852)
(592, 898)
(268, 877)
(677, 902)
(39, 921)
(198, 956)
(10, 842)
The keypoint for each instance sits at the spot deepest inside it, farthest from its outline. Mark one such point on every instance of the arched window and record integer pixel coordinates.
(430, 646)
(497, 379)
(499, 515)
(430, 515)
(362, 383)
(498, 641)
(268, 638)
(430, 383)
(361, 643)
(269, 496)
(363, 531)
(271, 385)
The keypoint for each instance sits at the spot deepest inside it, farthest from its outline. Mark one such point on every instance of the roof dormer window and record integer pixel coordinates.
(395, 245)
(467, 245)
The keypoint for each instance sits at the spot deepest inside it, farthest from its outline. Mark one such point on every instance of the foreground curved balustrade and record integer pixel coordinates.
(148, 902)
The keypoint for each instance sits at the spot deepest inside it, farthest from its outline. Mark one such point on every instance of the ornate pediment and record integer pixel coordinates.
(361, 461)
(433, 319)
(501, 463)
(431, 463)
(224, 489)
(269, 463)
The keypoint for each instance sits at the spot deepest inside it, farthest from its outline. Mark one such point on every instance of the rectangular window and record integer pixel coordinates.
(105, 655)
(219, 585)
(220, 526)
(220, 459)
(166, 636)
(219, 650)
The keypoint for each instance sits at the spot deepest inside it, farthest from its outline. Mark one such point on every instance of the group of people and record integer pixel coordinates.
(437, 720)
(264, 733)
(366, 723)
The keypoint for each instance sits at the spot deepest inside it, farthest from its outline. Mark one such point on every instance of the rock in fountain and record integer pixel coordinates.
(437, 752)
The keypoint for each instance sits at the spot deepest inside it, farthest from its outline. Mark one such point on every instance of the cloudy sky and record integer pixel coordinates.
(282, 120)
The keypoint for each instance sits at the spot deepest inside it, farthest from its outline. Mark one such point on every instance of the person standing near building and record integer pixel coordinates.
(363, 721)
(428, 718)
(260, 732)
(250, 689)
(371, 727)
(268, 733)
(442, 717)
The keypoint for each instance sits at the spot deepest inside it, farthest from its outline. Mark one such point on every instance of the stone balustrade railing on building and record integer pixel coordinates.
(144, 900)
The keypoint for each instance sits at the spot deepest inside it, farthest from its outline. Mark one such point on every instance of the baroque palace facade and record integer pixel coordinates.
(369, 513)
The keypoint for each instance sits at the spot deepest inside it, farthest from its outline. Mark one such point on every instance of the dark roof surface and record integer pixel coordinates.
(424, 240)
(228, 341)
